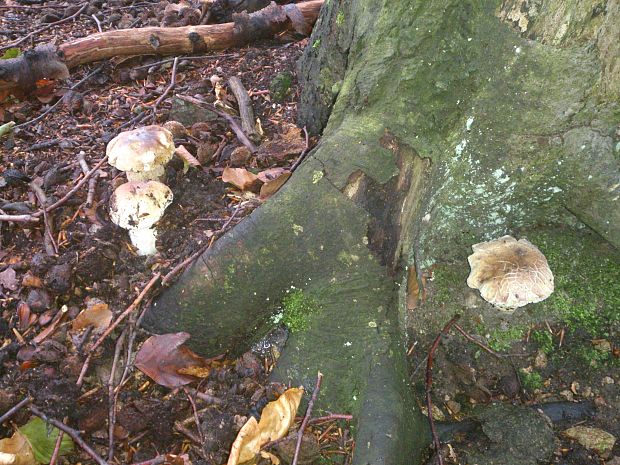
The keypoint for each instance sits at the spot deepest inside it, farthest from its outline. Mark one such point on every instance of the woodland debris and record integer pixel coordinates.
(245, 106)
(50, 62)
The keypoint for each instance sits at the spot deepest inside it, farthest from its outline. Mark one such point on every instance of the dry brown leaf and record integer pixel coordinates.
(187, 157)
(274, 179)
(30, 280)
(198, 372)
(283, 145)
(97, 314)
(16, 450)
(276, 419)
(269, 456)
(162, 357)
(242, 179)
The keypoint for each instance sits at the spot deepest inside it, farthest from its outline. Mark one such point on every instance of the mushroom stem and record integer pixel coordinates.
(144, 240)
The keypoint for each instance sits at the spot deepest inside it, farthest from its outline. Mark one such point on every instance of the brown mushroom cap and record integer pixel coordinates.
(144, 149)
(510, 273)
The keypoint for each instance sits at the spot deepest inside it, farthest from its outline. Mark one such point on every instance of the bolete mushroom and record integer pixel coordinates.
(137, 206)
(509, 273)
(142, 153)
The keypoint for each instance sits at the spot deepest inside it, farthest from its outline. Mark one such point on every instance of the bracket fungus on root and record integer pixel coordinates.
(509, 273)
(137, 206)
(142, 153)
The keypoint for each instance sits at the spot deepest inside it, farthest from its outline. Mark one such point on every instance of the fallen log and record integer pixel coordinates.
(51, 62)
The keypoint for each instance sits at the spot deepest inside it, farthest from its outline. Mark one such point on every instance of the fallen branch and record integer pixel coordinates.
(24, 71)
(19, 218)
(16, 408)
(245, 105)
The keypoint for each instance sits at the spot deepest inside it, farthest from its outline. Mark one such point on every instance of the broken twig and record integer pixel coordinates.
(306, 419)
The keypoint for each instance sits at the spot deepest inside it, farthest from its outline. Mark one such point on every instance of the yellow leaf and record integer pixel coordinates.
(275, 421)
(16, 450)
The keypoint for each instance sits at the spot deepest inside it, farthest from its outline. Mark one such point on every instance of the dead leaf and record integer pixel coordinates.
(198, 372)
(276, 419)
(23, 315)
(30, 280)
(16, 450)
(283, 145)
(161, 357)
(187, 157)
(242, 179)
(8, 279)
(272, 186)
(97, 314)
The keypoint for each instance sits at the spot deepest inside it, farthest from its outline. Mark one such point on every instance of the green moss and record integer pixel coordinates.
(531, 381)
(544, 339)
(587, 281)
(316, 43)
(340, 18)
(445, 278)
(280, 86)
(296, 307)
(501, 340)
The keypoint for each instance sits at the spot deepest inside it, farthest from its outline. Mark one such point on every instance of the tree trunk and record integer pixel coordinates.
(445, 123)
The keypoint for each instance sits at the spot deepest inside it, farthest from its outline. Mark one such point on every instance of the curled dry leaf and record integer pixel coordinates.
(163, 357)
(188, 158)
(97, 314)
(276, 419)
(242, 179)
(16, 450)
(274, 179)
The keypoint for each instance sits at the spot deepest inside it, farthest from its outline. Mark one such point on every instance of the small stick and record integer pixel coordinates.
(59, 101)
(16, 408)
(45, 28)
(171, 274)
(92, 182)
(245, 105)
(303, 154)
(50, 244)
(58, 444)
(202, 57)
(429, 384)
(74, 434)
(97, 22)
(478, 343)
(77, 187)
(331, 417)
(111, 397)
(173, 83)
(306, 419)
(233, 124)
(116, 322)
(19, 218)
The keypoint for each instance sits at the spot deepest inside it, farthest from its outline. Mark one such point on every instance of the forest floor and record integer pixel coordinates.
(81, 260)
(78, 262)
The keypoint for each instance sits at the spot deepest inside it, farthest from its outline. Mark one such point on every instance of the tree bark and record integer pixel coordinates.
(23, 72)
(444, 123)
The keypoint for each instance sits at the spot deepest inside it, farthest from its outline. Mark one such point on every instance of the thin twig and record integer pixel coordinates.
(429, 384)
(303, 154)
(97, 22)
(181, 266)
(75, 435)
(304, 423)
(19, 218)
(173, 82)
(243, 138)
(470, 338)
(59, 101)
(201, 57)
(45, 28)
(116, 322)
(75, 188)
(56, 452)
(111, 397)
(330, 417)
(16, 408)
(50, 244)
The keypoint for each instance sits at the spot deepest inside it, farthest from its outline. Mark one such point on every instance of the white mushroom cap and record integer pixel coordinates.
(510, 273)
(137, 206)
(142, 153)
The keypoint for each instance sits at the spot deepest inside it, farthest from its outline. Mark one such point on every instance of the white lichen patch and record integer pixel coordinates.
(298, 229)
(317, 175)
(460, 147)
(469, 122)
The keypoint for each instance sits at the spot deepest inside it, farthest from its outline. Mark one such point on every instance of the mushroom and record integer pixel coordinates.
(137, 206)
(509, 273)
(142, 153)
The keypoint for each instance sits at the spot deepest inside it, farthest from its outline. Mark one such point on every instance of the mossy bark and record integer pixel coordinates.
(445, 123)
